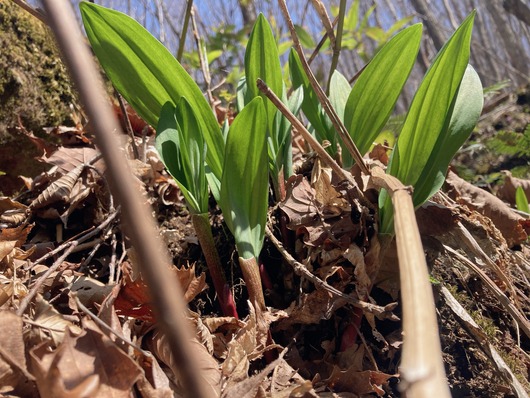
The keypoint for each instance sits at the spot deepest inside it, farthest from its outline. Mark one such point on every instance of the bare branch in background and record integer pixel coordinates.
(203, 59)
(182, 41)
(519, 9)
(429, 20)
(248, 11)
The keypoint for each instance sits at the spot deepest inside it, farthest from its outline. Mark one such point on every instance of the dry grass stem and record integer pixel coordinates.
(422, 368)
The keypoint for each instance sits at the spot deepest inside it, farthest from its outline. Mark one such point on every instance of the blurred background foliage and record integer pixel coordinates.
(501, 39)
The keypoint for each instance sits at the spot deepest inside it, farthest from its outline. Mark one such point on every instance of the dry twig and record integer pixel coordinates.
(301, 270)
(153, 258)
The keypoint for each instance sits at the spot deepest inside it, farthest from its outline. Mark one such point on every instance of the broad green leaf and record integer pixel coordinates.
(146, 73)
(377, 89)
(305, 38)
(429, 120)
(245, 182)
(339, 91)
(182, 149)
(263, 61)
(310, 104)
(521, 201)
(311, 107)
(463, 118)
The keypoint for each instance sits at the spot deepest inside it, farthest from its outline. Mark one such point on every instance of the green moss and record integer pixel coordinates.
(34, 84)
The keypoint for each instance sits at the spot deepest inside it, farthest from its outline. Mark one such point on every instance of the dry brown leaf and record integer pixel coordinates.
(133, 298)
(13, 370)
(363, 283)
(154, 383)
(12, 212)
(507, 190)
(18, 234)
(67, 159)
(89, 291)
(311, 308)
(50, 324)
(357, 382)
(209, 367)
(299, 204)
(507, 222)
(84, 366)
(63, 189)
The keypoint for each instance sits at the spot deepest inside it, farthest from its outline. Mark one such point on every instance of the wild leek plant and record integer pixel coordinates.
(245, 191)
(181, 146)
(442, 114)
(262, 61)
(190, 141)
(148, 76)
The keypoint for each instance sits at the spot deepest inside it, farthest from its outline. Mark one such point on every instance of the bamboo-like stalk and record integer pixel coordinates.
(153, 258)
(202, 227)
(422, 369)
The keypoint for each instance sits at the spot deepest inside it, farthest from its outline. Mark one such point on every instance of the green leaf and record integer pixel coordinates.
(521, 201)
(263, 61)
(377, 89)
(463, 117)
(339, 91)
(423, 145)
(310, 104)
(305, 38)
(146, 73)
(182, 149)
(245, 183)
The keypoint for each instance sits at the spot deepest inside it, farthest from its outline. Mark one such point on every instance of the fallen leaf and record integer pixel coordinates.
(311, 309)
(208, 366)
(67, 159)
(133, 298)
(50, 324)
(357, 382)
(505, 219)
(87, 365)
(507, 190)
(13, 370)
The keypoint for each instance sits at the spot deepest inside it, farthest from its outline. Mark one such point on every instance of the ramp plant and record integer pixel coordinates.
(190, 141)
(181, 146)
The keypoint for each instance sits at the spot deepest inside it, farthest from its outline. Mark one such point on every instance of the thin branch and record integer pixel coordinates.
(338, 42)
(312, 141)
(321, 43)
(35, 12)
(182, 40)
(324, 100)
(107, 328)
(69, 246)
(128, 126)
(499, 295)
(203, 59)
(301, 270)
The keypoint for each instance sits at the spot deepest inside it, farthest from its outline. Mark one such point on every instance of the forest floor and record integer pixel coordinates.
(75, 317)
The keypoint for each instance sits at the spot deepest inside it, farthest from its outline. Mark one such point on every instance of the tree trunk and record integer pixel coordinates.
(429, 19)
(248, 11)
